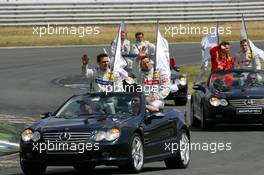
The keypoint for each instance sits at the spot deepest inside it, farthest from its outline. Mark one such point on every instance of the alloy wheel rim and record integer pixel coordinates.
(185, 149)
(137, 153)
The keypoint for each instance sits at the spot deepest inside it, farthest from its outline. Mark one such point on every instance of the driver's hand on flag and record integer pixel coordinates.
(85, 59)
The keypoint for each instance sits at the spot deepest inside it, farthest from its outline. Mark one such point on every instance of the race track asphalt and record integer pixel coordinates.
(27, 89)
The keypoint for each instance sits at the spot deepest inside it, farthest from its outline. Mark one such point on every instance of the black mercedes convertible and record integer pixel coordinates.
(229, 97)
(105, 129)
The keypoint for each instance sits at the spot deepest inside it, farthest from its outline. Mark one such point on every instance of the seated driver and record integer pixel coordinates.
(86, 108)
(135, 104)
(252, 80)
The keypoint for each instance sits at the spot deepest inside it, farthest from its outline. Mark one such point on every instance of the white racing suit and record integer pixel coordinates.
(125, 47)
(101, 81)
(125, 50)
(247, 60)
(159, 86)
(149, 48)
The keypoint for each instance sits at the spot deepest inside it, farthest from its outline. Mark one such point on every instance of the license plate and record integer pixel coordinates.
(249, 111)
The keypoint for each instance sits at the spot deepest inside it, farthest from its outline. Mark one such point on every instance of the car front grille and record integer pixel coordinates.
(75, 137)
(242, 103)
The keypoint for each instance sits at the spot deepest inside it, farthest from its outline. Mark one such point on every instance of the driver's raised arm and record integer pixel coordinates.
(86, 71)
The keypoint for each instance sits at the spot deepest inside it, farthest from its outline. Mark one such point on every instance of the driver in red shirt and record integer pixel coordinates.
(220, 57)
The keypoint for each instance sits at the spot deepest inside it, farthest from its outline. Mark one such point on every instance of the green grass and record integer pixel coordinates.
(9, 165)
(10, 132)
(23, 35)
(192, 71)
(4, 151)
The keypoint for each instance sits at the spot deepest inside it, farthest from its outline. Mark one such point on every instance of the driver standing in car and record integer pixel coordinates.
(102, 79)
(220, 57)
(155, 84)
(142, 46)
(245, 59)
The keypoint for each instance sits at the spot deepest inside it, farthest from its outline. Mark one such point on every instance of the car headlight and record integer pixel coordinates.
(112, 134)
(183, 81)
(99, 136)
(109, 135)
(29, 135)
(214, 101)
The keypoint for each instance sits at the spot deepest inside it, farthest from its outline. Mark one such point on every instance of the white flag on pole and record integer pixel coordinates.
(209, 41)
(119, 62)
(162, 53)
(105, 51)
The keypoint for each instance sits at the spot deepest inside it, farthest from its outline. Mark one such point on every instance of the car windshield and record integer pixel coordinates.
(227, 81)
(101, 105)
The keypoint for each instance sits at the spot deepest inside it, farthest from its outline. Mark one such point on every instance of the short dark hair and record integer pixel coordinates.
(146, 56)
(243, 41)
(224, 43)
(101, 55)
(139, 33)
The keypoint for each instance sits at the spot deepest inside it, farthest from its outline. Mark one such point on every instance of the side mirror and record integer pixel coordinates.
(199, 88)
(45, 115)
(156, 115)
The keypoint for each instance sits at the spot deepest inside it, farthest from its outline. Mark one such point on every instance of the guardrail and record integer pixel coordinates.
(19, 13)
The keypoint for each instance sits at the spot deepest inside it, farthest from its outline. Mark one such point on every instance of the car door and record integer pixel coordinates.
(198, 100)
(156, 133)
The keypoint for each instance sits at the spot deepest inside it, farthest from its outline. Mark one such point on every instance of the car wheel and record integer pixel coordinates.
(182, 158)
(84, 167)
(181, 103)
(194, 121)
(136, 154)
(32, 168)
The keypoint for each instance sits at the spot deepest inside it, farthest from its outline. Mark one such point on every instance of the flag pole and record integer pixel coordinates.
(117, 40)
(156, 50)
(217, 34)
(250, 49)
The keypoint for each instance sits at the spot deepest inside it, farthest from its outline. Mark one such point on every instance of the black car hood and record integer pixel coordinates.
(87, 123)
(242, 93)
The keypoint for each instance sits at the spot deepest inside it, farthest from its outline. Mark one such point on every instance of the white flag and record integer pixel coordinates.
(255, 50)
(243, 29)
(162, 53)
(209, 41)
(105, 51)
(119, 63)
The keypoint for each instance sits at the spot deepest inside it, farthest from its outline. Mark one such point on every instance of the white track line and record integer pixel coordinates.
(3, 143)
